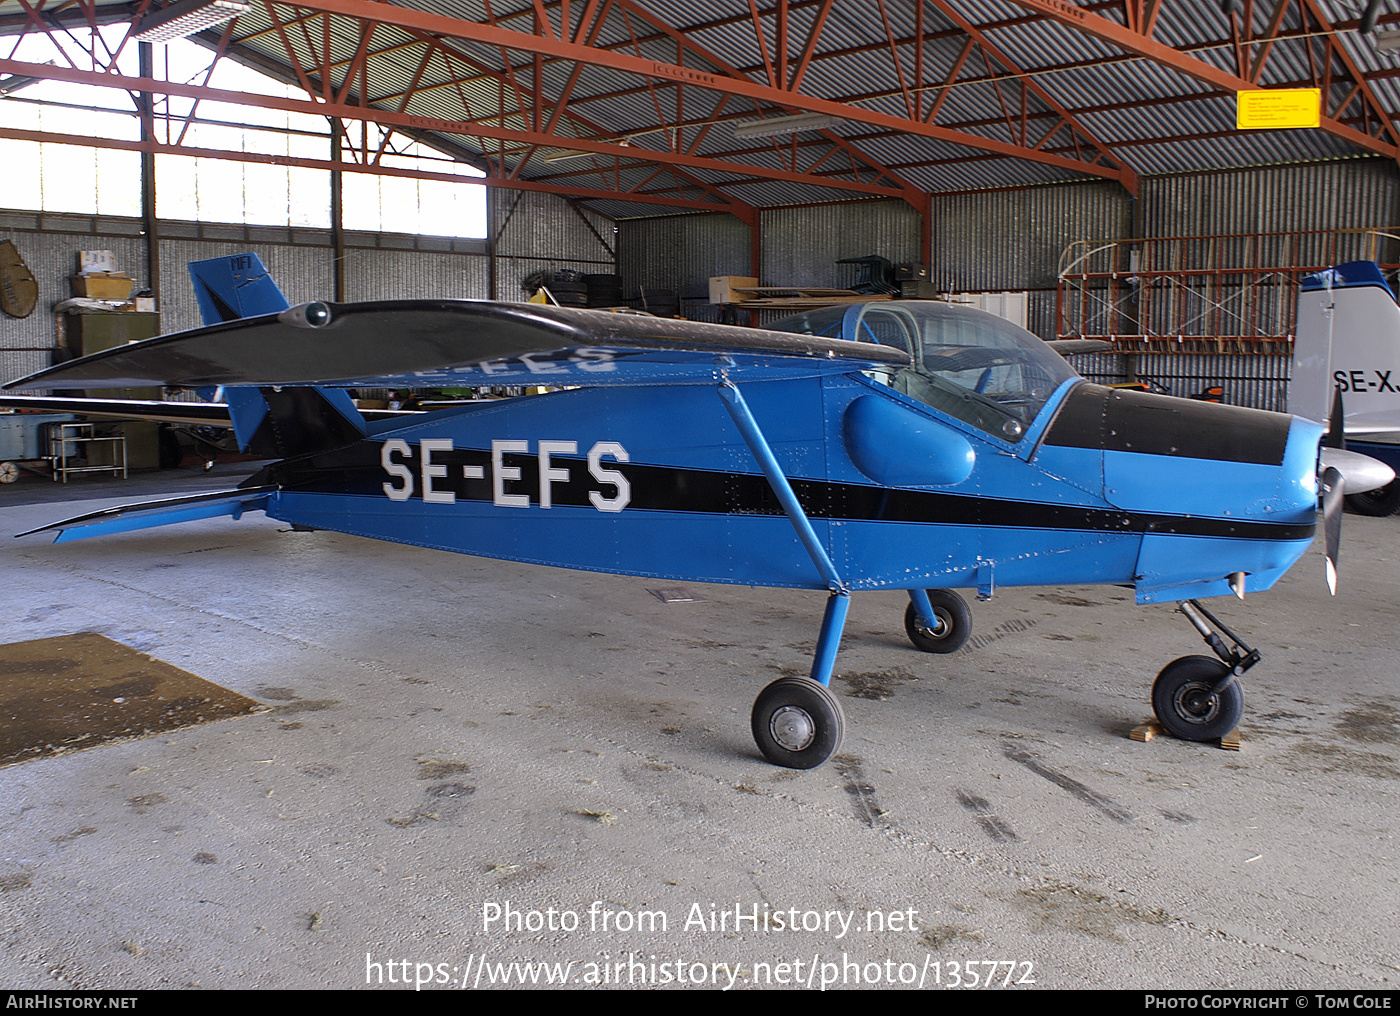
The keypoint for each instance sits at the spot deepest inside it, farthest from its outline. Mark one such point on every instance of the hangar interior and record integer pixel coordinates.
(1076, 167)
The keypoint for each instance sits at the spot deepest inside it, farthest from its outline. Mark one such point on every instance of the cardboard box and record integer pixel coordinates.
(102, 285)
(96, 261)
(722, 288)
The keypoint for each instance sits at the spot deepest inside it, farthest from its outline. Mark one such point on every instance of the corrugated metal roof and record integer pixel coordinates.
(1149, 117)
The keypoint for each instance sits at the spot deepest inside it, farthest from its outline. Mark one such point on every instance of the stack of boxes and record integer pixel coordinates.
(98, 279)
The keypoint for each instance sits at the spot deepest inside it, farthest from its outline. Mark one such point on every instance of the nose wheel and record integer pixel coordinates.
(1197, 698)
(1191, 703)
(797, 723)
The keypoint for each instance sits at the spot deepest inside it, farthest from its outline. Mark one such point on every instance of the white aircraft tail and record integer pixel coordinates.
(1348, 338)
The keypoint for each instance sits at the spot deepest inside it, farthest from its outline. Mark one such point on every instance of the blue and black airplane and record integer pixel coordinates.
(884, 445)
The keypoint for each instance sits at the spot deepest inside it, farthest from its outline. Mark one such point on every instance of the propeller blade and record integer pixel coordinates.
(1336, 427)
(1333, 491)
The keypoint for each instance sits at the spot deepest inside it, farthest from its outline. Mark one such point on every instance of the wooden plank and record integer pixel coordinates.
(1145, 731)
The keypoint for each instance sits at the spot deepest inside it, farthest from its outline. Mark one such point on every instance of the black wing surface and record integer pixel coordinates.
(455, 342)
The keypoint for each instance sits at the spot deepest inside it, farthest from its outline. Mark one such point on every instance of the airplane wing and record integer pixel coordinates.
(457, 343)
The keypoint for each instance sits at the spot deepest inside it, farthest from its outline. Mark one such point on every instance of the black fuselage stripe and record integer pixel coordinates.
(710, 492)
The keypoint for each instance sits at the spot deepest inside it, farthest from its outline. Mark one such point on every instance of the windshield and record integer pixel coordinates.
(967, 363)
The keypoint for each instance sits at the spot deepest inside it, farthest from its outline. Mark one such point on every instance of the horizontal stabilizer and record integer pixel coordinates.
(165, 512)
(455, 343)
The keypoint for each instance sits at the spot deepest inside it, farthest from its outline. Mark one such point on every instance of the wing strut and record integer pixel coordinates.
(838, 604)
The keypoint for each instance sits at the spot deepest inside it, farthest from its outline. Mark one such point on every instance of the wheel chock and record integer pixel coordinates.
(1231, 741)
(1145, 731)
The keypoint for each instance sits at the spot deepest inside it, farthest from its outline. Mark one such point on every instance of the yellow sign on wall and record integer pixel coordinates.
(1275, 108)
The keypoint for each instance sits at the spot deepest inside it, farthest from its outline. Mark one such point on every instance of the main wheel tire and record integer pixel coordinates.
(1187, 707)
(797, 723)
(1378, 503)
(954, 623)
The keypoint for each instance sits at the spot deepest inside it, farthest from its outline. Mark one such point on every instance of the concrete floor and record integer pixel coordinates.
(449, 735)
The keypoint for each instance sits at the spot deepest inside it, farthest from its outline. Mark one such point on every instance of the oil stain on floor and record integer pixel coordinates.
(78, 691)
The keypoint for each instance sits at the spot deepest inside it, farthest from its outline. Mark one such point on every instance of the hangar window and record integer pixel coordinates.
(49, 176)
(70, 177)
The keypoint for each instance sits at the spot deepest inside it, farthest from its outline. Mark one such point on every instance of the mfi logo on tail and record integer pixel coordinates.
(442, 474)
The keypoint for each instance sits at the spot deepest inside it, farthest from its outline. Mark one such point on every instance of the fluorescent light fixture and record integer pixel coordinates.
(572, 154)
(565, 156)
(1386, 42)
(184, 19)
(785, 125)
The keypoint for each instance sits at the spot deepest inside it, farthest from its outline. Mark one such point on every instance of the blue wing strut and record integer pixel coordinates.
(838, 604)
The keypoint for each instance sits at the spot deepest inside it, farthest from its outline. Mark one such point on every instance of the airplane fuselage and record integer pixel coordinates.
(1104, 487)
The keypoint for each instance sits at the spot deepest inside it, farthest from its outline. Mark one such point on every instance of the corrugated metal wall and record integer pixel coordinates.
(993, 241)
(542, 231)
(1350, 194)
(798, 246)
(682, 252)
(377, 266)
(1260, 382)
(408, 275)
(982, 242)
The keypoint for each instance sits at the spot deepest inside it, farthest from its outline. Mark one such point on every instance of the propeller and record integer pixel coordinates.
(1343, 470)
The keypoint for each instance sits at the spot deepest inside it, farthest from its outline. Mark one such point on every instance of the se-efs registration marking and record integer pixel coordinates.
(438, 480)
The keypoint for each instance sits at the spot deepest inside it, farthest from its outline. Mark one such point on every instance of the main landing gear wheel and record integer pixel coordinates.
(953, 627)
(1377, 503)
(797, 723)
(1186, 704)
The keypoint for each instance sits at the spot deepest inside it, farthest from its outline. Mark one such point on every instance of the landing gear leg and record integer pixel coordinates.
(797, 721)
(1197, 698)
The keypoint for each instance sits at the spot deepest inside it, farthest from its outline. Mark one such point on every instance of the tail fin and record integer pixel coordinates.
(235, 287)
(1348, 339)
(274, 423)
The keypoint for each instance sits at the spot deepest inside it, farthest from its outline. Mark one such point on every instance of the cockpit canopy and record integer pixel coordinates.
(967, 363)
